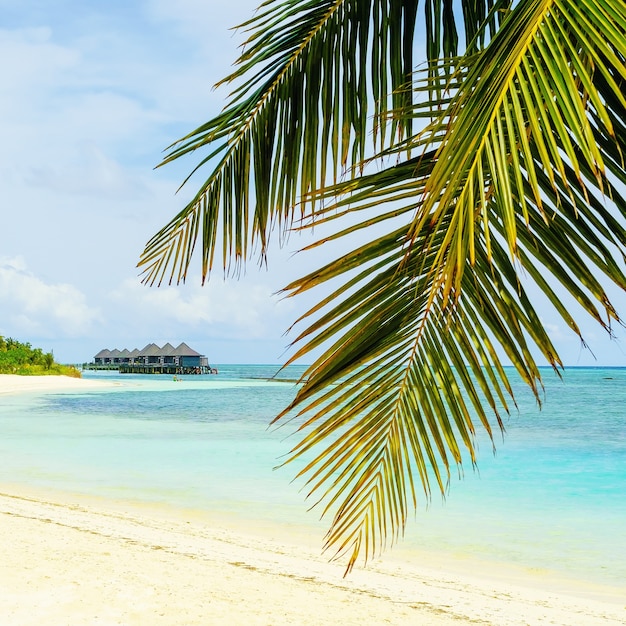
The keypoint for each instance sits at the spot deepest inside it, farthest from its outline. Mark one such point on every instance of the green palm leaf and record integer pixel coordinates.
(527, 105)
(508, 171)
(316, 82)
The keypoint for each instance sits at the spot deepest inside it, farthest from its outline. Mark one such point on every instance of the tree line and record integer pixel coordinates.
(21, 358)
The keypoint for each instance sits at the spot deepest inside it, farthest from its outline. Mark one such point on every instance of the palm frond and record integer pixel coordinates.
(518, 179)
(310, 71)
(315, 83)
(429, 305)
(392, 401)
(534, 103)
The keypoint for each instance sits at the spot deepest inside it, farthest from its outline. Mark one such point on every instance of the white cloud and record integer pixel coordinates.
(38, 62)
(197, 18)
(33, 307)
(224, 309)
(559, 332)
(91, 173)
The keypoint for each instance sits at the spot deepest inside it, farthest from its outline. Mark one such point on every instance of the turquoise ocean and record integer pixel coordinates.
(552, 498)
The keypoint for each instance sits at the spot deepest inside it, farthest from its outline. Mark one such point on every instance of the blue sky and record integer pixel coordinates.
(90, 95)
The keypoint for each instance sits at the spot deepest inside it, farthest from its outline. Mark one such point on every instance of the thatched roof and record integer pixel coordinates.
(184, 350)
(150, 350)
(168, 350)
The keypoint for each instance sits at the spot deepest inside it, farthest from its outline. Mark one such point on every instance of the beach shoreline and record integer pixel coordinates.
(15, 384)
(79, 559)
(72, 559)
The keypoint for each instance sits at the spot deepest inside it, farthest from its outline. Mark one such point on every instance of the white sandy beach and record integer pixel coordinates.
(10, 383)
(74, 560)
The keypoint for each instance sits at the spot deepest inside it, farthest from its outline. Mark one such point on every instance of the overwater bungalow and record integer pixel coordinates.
(153, 360)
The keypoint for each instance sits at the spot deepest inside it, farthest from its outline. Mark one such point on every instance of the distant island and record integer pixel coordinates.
(21, 358)
(153, 360)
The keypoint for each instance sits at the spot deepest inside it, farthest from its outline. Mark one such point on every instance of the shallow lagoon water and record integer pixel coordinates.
(551, 498)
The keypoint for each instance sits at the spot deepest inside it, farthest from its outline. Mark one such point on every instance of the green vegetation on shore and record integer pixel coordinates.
(21, 358)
